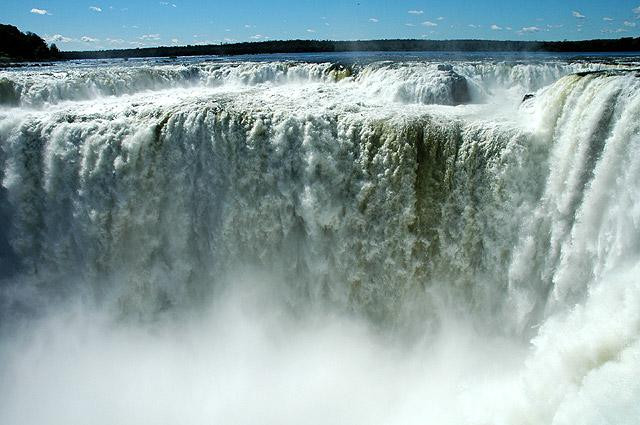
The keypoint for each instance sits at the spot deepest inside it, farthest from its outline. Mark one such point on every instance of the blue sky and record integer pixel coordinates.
(97, 24)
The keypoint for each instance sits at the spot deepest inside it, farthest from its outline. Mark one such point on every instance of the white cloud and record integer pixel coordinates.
(496, 28)
(249, 26)
(577, 14)
(40, 11)
(374, 20)
(115, 40)
(429, 24)
(410, 25)
(530, 29)
(150, 37)
(508, 28)
(58, 38)
(88, 39)
(472, 26)
(95, 9)
(166, 3)
(310, 30)
(416, 12)
(440, 18)
(608, 19)
(636, 10)
(175, 41)
(257, 36)
(229, 40)
(629, 24)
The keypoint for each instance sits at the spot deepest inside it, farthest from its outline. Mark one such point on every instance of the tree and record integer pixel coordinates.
(54, 51)
(28, 46)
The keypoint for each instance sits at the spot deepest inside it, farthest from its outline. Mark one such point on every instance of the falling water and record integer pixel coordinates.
(293, 242)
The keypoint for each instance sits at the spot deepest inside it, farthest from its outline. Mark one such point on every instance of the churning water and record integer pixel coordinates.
(380, 241)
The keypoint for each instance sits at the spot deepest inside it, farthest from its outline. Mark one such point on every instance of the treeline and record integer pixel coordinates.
(318, 46)
(18, 46)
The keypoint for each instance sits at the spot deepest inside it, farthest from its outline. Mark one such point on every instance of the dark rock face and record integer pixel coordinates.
(459, 89)
(528, 96)
(458, 84)
(8, 93)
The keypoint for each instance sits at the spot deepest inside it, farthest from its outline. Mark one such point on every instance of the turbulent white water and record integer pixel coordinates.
(291, 242)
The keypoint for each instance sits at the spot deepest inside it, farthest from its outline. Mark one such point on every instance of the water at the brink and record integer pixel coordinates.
(341, 240)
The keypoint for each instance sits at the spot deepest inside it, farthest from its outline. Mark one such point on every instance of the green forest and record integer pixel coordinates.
(309, 46)
(18, 46)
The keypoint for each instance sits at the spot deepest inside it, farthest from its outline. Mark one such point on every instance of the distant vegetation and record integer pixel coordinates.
(18, 46)
(315, 46)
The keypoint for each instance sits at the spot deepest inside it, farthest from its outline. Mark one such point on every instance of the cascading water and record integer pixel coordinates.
(286, 242)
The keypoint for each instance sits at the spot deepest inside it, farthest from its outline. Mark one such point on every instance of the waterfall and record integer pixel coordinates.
(415, 197)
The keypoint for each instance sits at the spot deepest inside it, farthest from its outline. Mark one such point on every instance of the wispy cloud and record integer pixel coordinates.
(310, 30)
(166, 3)
(410, 25)
(58, 38)
(629, 24)
(530, 29)
(608, 19)
(496, 27)
(577, 14)
(95, 9)
(415, 12)
(175, 41)
(257, 36)
(40, 11)
(636, 10)
(150, 37)
(374, 20)
(615, 31)
(473, 26)
(429, 24)
(87, 39)
(440, 18)
(115, 40)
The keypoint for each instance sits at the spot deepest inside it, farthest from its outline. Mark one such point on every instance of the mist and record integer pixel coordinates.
(247, 358)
